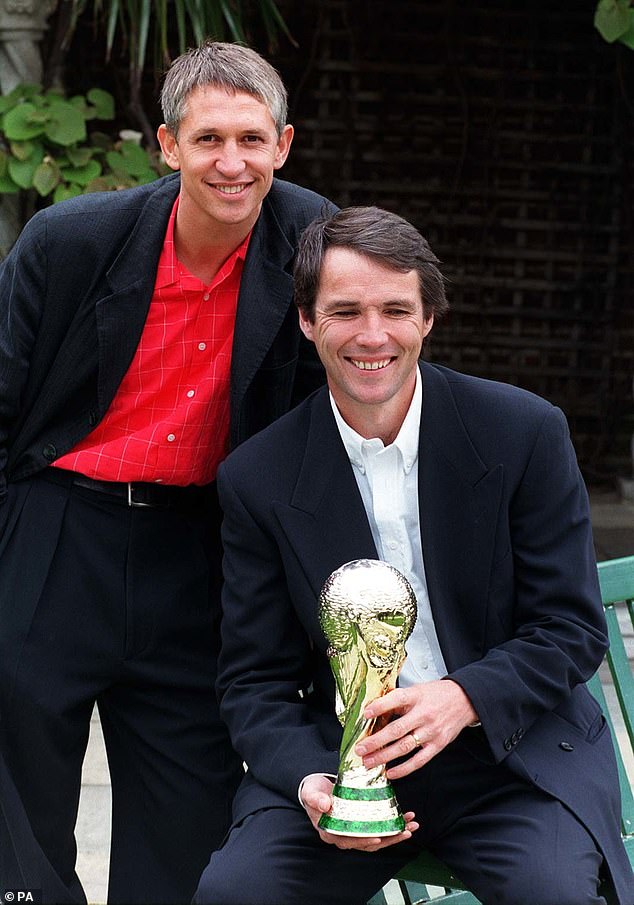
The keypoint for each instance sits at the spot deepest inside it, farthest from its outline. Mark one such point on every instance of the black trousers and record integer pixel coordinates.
(102, 602)
(510, 843)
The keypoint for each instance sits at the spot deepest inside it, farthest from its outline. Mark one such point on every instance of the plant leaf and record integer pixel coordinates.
(103, 103)
(611, 19)
(22, 150)
(79, 157)
(46, 177)
(23, 171)
(23, 122)
(101, 184)
(82, 175)
(66, 124)
(8, 186)
(628, 37)
(64, 192)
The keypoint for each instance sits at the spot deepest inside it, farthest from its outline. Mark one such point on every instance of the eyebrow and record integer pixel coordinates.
(215, 129)
(351, 303)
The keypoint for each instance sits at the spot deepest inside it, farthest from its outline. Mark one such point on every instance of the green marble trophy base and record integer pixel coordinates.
(370, 811)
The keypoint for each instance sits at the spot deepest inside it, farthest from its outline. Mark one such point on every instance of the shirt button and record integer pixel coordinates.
(202, 346)
(393, 545)
(171, 438)
(206, 296)
(190, 393)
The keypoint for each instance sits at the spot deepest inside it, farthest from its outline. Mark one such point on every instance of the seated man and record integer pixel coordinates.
(471, 489)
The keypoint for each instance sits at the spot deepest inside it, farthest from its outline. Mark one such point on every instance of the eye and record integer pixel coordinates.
(208, 138)
(343, 313)
(252, 139)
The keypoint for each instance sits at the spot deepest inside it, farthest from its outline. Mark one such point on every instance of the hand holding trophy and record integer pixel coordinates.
(367, 610)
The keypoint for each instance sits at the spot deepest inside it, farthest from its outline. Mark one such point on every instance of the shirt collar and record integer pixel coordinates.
(170, 269)
(407, 439)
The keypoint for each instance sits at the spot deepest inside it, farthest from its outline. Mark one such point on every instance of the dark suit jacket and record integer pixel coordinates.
(74, 295)
(512, 583)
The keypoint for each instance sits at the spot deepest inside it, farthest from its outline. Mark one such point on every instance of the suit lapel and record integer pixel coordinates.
(265, 276)
(326, 522)
(121, 313)
(459, 499)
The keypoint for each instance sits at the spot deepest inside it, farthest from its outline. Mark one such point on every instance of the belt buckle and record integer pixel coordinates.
(133, 502)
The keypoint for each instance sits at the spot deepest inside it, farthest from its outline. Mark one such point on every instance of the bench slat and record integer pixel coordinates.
(616, 579)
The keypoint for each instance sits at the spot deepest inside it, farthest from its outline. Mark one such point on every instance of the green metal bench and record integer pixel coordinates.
(613, 687)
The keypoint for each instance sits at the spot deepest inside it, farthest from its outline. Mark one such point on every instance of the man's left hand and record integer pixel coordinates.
(316, 797)
(428, 717)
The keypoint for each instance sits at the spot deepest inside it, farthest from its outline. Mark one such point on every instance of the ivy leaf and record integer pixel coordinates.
(133, 159)
(23, 149)
(8, 186)
(46, 177)
(103, 103)
(101, 141)
(82, 175)
(23, 122)
(66, 125)
(611, 19)
(79, 157)
(628, 37)
(101, 184)
(22, 172)
(64, 192)
(19, 93)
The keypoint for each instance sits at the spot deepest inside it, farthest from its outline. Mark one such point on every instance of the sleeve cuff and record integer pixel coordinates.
(308, 776)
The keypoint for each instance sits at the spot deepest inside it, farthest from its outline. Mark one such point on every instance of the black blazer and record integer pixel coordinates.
(512, 582)
(74, 295)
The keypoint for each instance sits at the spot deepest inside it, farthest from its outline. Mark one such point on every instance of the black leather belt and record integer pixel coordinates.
(133, 493)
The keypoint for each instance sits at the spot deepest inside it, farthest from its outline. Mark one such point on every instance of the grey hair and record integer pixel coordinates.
(378, 234)
(222, 65)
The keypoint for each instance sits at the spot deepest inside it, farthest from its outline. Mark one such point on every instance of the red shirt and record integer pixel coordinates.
(169, 420)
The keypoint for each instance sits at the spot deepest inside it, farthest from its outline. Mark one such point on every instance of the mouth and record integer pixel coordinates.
(364, 365)
(230, 188)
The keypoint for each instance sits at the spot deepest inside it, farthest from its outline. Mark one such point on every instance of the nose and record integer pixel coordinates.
(230, 162)
(373, 330)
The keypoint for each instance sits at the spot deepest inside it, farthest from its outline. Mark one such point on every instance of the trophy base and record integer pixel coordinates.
(370, 811)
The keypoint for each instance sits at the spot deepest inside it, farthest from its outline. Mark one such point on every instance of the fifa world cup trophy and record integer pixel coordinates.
(367, 610)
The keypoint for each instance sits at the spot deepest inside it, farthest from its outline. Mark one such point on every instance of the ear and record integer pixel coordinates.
(283, 147)
(428, 323)
(306, 326)
(169, 146)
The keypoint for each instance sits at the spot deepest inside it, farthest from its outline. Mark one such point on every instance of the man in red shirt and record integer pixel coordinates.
(144, 333)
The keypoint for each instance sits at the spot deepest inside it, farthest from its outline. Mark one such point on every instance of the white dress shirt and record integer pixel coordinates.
(387, 477)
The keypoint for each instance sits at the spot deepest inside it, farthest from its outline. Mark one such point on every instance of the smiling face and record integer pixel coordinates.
(368, 329)
(227, 150)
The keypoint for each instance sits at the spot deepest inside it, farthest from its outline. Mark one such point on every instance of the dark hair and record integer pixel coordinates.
(222, 65)
(378, 234)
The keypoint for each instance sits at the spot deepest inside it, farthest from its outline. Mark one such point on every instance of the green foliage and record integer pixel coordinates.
(614, 19)
(143, 22)
(45, 146)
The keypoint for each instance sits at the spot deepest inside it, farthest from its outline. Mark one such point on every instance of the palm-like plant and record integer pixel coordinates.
(154, 31)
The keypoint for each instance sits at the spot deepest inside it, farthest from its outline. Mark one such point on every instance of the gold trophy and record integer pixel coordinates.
(367, 610)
